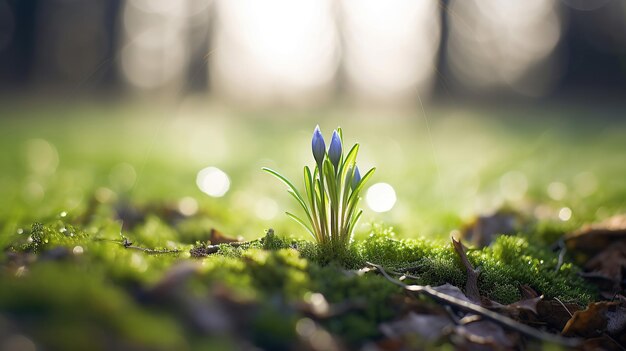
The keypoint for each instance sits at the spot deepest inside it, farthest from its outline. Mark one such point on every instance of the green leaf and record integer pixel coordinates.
(296, 195)
(295, 218)
(310, 192)
(353, 223)
(348, 161)
(359, 186)
(321, 207)
(328, 172)
(306, 210)
(284, 180)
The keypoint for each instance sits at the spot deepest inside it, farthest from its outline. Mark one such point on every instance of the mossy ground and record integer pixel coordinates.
(69, 280)
(67, 276)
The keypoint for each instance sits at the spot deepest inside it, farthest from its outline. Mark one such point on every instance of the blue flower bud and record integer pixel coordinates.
(356, 178)
(318, 146)
(334, 151)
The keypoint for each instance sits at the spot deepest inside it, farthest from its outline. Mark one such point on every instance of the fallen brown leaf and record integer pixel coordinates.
(593, 238)
(610, 263)
(555, 314)
(429, 327)
(216, 237)
(601, 249)
(484, 229)
(590, 322)
(451, 290)
(471, 286)
(486, 333)
(514, 310)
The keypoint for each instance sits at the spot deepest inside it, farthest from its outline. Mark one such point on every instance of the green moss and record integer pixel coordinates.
(58, 302)
(273, 273)
(274, 328)
(278, 271)
(372, 293)
(510, 262)
(41, 237)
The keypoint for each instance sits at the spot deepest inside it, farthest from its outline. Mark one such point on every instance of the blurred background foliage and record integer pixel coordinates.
(464, 106)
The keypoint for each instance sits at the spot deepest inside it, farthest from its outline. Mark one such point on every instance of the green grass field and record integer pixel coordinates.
(78, 168)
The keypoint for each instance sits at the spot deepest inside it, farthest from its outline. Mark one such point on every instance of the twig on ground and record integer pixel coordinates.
(129, 245)
(477, 309)
(204, 251)
(152, 251)
(565, 307)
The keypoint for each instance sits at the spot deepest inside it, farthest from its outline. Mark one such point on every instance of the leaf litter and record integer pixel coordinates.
(445, 313)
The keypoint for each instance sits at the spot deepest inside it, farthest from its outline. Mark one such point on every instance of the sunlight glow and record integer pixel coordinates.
(380, 197)
(279, 50)
(390, 47)
(213, 181)
(496, 43)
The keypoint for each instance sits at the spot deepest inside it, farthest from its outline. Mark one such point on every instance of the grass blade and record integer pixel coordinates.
(297, 219)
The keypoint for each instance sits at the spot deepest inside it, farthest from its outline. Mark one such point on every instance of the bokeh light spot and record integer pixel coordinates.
(188, 206)
(42, 156)
(557, 191)
(381, 197)
(213, 181)
(565, 214)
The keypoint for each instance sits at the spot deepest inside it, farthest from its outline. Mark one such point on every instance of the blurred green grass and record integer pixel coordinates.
(453, 164)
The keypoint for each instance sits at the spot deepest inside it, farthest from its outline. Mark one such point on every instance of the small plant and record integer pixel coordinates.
(332, 192)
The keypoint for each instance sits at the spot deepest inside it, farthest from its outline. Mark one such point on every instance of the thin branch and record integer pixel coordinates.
(151, 251)
(127, 244)
(204, 251)
(477, 309)
(565, 307)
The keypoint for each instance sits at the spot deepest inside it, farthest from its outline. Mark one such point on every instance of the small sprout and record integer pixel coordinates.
(331, 192)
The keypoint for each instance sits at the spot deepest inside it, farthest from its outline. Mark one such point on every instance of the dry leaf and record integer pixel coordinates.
(513, 310)
(471, 286)
(216, 237)
(593, 238)
(486, 333)
(590, 322)
(429, 327)
(451, 290)
(555, 314)
(601, 249)
(610, 263)
(484, 229)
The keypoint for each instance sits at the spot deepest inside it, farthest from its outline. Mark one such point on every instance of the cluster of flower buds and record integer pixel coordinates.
(332, 191)
(334, 152)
